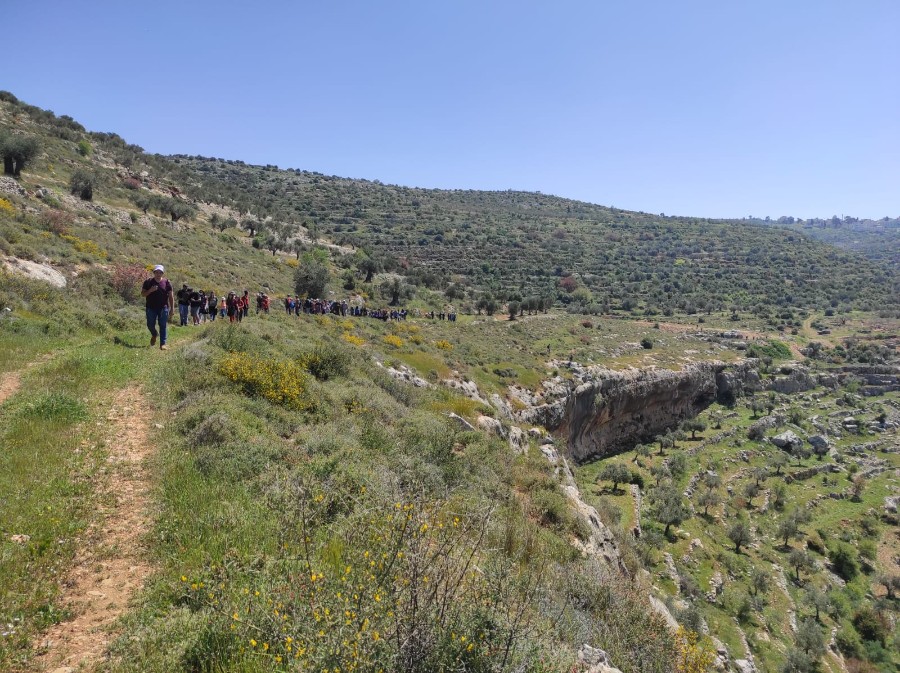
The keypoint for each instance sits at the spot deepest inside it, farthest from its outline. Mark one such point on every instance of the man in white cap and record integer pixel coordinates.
(160, 302)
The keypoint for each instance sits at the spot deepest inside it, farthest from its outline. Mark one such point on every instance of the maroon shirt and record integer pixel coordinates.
(158, 298)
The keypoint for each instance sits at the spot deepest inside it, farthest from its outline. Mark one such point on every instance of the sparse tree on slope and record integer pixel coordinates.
(616, 473)
(667, 507)
(17, 151)
(740, 535)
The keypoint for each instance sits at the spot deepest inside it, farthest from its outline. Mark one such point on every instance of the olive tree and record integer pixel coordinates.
(17, 151)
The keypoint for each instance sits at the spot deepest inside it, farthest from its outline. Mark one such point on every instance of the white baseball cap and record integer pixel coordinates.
(159, 267)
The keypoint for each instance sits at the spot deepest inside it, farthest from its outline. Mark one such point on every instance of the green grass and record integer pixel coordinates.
(50, 455)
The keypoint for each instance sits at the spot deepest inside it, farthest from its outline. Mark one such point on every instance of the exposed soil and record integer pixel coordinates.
(11, 381)
(9, 384)
(110, 566)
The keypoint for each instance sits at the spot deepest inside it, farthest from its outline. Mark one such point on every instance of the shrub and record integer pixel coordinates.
(848, 642)
(131, 183)
(392, 340)
(235, 461)
(776, 350)
(57, 221)
(845, 561)
(325, 362)
(647, 343)
(87, 247)
(278, 381)
(126, 280)
(6, 207)
(551, 508)
(84, 148)
(444, 345)
(81, 184)
(869, 625)
(353, 339)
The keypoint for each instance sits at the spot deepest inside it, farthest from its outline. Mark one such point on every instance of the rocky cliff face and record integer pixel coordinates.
(603, 412)
(618, 409)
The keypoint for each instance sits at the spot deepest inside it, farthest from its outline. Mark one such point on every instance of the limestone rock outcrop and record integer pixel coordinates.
(608, 414)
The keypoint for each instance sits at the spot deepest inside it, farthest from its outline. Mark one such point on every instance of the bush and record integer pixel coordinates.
(869, 625)
(845, 561)
(81, 184)
(57, 221)
(325, 362)
(776, 350)
(236, 460)
(127, 279)
(84, 148)
(278, 381)
(551, 508)
(647, 343)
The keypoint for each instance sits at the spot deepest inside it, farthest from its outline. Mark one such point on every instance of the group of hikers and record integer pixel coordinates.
(297, 305)
(196, 307)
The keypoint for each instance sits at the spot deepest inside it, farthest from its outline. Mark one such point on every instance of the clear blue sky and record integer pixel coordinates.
(713, 108)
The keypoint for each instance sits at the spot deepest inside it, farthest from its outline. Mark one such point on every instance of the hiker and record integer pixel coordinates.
(160, 302)
(194, 300)
(223, 308)
(245, 301)
(184, 304)
(212, 305)
(233, 306)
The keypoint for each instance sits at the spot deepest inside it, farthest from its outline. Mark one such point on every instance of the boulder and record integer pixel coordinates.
(819, 443)
(460, 421)
(744, 666)
(518, 440)
(35, 270)
(595, 660)
(491, 425)
(891, 504)
(787, 440)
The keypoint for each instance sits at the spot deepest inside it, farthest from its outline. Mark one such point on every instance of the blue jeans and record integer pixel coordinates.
(160, 315)
(183, 313)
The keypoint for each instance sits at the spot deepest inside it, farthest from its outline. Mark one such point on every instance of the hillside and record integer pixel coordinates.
(516, 244)
(647, 444)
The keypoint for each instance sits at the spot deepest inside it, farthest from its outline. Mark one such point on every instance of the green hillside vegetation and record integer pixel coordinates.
(313, 510)
(469, 245)
(809, 528)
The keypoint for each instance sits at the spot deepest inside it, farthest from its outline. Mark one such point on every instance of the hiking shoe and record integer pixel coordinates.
(153, 340)
(163, 347)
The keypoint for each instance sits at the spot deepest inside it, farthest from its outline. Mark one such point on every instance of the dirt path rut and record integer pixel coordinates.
(9, 384)
(111, 565)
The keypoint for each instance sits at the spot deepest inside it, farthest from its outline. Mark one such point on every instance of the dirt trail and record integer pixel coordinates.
(110, 566)
(9, 384)
(11, 381)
